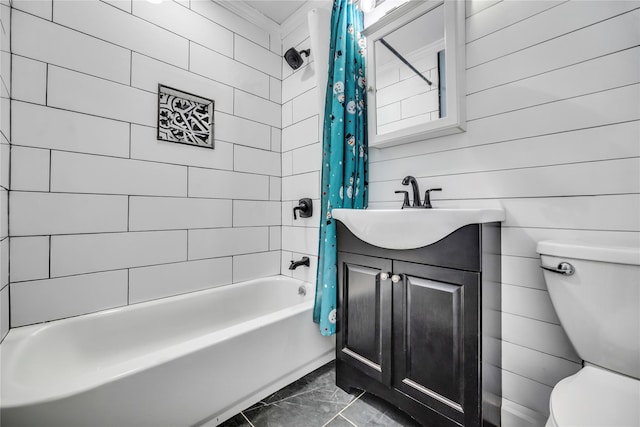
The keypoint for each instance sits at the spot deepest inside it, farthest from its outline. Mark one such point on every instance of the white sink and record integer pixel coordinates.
(411, 228)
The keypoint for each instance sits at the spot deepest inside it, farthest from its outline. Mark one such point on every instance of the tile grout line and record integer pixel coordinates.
(347, 420)
(294, 395)
(246, 418)
(343, 409)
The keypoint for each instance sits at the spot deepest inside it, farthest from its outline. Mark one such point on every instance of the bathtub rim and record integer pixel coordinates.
(15, 395)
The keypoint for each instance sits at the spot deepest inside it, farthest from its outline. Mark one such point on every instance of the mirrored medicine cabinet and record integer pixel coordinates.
(415, 73)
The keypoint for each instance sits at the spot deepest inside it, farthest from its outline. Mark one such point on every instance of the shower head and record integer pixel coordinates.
(293, 57)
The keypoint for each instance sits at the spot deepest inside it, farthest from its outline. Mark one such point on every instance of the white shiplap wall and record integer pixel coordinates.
(5, 138)
(103, 215)
(553, 103)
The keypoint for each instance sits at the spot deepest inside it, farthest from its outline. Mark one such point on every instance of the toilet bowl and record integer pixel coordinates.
(595, 397)
(595, 290)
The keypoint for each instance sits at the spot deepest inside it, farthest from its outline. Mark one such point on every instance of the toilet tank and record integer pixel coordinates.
(599, 304)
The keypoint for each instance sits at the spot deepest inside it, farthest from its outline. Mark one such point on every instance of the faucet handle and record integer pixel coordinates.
(427, 198)
(405, 202)
(305, 206)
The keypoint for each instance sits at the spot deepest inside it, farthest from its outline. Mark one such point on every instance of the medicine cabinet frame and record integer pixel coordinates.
(455, 93)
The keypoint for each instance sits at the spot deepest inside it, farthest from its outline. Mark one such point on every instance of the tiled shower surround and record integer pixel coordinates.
(103, 215)
(5, 149)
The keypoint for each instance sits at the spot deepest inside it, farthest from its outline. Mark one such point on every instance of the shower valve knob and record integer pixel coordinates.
(305, 207)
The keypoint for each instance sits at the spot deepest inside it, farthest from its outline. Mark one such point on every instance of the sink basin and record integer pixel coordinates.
(411, 228)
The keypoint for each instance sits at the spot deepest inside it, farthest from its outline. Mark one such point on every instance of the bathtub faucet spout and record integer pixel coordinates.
(296, 264)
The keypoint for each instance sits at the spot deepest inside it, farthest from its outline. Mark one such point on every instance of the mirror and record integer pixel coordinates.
(415, 66)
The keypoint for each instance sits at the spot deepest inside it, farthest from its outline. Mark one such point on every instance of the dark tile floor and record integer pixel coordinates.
(316, 401)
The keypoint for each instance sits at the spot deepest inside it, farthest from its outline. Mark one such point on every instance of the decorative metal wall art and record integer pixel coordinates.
(184, 118)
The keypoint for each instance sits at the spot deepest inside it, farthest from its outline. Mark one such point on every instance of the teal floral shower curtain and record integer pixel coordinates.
(344, 149)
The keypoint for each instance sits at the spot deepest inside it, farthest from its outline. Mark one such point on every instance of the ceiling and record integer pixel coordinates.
(279, 10)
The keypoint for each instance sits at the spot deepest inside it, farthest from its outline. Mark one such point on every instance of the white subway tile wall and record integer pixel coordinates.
(29, 81)
(247, 213)
(83, 93)
(5, 149)
(254, 266)
(41, 8)
(253, 55)
(554, 142)
(5, 63)
(173, 213)
(226, 184)
(39, 213)
(211, 243)
(254, 107)
(247, 159)
(5, 152)
(234, 23)
(301, 157)
(51, 43)
(300, 133)
(104, 214)
(146, 72)
(226, 70)
(29, 258)
(45, 127)
(30, 171)
(159, 281)
(145, 146)
(276, 139)
(42, 300)
(306, 104)
(86, 253)
(242, 131)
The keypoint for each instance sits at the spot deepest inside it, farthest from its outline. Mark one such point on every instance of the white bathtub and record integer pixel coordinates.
(194, 359)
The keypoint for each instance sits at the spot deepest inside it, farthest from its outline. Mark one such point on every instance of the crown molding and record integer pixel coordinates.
(300, 16)
(242, 9)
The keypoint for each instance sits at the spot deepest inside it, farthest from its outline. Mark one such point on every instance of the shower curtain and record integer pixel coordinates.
(344, 148)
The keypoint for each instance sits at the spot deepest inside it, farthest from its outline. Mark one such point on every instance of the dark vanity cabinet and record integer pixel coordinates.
(420, 328)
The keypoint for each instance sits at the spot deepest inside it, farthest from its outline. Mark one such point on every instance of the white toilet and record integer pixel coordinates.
(595, 290)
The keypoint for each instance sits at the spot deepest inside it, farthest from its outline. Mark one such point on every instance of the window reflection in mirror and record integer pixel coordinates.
(410, 82)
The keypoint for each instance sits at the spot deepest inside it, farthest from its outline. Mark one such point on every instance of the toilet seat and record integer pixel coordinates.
(595, 397)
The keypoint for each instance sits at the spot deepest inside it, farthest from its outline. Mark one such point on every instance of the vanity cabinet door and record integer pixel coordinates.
(435, 339)
(364, 323)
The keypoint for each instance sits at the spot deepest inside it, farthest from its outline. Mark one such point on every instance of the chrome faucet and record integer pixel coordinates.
(414, 186)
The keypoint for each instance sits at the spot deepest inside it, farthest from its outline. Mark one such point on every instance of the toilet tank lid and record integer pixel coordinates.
(590, 251)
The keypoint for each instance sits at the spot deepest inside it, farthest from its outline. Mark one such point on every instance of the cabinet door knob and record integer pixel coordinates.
(384, 276)
(395, 278)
